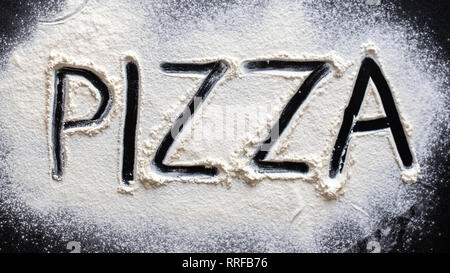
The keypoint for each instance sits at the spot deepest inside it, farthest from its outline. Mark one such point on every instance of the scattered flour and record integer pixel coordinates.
(240, 209)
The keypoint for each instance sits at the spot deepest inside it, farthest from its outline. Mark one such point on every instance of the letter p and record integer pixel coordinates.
(58, 123)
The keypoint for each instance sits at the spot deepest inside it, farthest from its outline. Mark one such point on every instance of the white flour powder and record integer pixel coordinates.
(240, 209)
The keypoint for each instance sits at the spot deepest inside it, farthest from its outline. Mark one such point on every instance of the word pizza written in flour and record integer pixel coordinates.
(214, 71)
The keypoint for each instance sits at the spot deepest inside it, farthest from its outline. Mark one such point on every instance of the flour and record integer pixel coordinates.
(227, 212)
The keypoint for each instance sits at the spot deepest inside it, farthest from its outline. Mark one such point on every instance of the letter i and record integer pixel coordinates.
(131, 115)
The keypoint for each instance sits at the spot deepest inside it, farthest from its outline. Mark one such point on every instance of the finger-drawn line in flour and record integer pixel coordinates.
(270, 65)
(58, 123)
(131, 116)
(319, 71)
(215, 70)
(66, 17)
(193, 68)
(369, 70)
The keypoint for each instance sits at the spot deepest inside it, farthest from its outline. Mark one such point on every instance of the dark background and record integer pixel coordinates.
(17, 21)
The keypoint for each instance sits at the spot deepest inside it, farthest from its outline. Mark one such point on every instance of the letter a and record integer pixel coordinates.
(370, 70)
